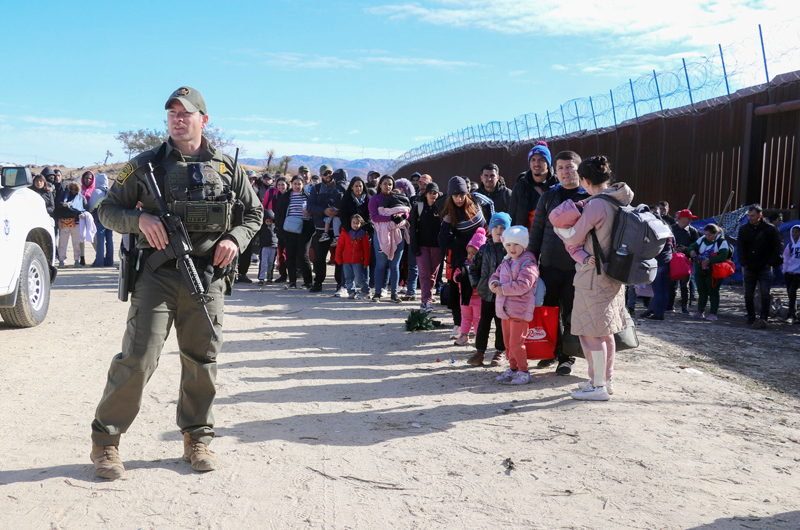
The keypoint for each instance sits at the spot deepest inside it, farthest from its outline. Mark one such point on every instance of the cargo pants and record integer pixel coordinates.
(159, 300)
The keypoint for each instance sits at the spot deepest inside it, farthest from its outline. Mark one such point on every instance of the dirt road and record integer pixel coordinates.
(331, 416)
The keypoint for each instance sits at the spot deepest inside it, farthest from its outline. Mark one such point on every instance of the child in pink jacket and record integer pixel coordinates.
(470, 311)
(512, 284)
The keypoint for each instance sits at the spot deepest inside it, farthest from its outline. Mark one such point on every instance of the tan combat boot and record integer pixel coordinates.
(107, 463)
(198, 454)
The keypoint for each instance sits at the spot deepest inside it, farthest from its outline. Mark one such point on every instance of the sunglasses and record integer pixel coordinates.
(327, 173)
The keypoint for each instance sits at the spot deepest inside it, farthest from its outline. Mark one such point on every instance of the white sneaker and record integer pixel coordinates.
(352, 296)
(340, 293)
(423, 307)
(430, 307)
(609, 385)
(592, 393)
(507, 376)
(456, 333)
(521, 378)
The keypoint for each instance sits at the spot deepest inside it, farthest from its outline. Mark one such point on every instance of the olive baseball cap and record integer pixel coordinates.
(324, 168)
(302, 168)
(190, 98)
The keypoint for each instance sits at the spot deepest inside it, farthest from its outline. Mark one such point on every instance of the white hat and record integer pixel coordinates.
(516, 234)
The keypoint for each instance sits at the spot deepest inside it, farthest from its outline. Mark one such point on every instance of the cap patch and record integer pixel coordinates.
(182, 91)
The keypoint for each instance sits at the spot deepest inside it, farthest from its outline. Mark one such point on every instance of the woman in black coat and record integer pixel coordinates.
(40, 186)
(356, 201)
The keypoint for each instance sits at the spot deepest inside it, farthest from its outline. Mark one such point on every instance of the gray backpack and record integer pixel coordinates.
(637, 237)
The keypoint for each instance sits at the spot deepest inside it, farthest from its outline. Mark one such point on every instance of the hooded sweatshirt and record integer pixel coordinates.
(791, 254)
(86, 191)
(99, 193)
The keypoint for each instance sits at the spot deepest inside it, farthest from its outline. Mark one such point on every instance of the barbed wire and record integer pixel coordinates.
(695, 86)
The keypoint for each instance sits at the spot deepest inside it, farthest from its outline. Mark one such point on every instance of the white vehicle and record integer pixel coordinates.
(27, 250)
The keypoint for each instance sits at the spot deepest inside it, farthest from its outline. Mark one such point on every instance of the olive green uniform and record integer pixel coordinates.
(160, 298)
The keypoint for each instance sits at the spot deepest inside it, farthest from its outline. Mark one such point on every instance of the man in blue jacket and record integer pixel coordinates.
(320, 201)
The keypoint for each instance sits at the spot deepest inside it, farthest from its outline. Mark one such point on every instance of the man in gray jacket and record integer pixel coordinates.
(493, 186)
(556, 266)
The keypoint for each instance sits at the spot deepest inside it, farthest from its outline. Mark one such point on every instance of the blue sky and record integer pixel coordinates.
(321, 78)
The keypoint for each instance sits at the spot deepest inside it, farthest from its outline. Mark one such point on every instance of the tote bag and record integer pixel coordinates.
(540, 341)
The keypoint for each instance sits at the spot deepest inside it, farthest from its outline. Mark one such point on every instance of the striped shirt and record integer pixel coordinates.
(297, 203)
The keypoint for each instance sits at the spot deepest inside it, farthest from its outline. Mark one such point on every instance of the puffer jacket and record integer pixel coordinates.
(351, 250)
(599, 306)
(543, 241)
(517, 277)
(485, 264)
(525, 196)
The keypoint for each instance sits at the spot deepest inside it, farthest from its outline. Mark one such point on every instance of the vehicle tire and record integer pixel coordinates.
(33, 298)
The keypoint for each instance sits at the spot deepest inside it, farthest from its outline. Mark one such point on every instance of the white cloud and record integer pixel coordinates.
(276, 121)
(622, 22)
(301, 60)
(354, 131)
(65, 122)
(416, 61)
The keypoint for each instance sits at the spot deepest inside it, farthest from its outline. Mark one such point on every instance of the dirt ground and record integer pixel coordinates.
(331, 416)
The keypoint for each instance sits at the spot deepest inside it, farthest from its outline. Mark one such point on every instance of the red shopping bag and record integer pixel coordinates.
(680, 267)
(540, 342)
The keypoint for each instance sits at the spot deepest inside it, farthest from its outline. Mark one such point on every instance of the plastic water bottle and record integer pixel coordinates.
(619, 266)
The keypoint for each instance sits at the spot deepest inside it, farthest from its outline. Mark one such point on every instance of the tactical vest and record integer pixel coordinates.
(205, 202)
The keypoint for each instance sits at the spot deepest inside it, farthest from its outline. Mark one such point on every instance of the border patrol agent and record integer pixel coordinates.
(201, 185)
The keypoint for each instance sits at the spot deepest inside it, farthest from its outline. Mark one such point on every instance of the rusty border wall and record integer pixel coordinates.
(747, 143)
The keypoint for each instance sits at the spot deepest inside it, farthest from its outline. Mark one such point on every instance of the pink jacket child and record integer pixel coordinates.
(563, 218)
(514, 304)
(470, 312)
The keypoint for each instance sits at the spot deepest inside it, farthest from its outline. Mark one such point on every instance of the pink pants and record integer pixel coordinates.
(428, 268)
(471, 314)
(514, 332)
(604, 344)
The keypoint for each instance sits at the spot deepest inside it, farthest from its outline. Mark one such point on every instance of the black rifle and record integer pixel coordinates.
(178, 247)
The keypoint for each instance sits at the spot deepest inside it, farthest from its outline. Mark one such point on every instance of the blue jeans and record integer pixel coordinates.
(387, 271)
(411, 281)
(105, 246)
(658, 305)
(355, 277)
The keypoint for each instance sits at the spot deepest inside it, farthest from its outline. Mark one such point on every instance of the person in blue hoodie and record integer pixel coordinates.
(105, 239)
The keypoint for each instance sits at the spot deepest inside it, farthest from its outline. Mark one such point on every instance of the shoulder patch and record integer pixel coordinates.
(124, 173)
(222, 168)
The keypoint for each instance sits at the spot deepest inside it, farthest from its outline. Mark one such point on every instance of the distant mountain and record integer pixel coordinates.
(358, 167)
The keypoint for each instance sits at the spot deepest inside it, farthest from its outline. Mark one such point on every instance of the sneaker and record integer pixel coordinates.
(306, 286)
(456, 332)
(333, 244)
(646, 314)
(653, 317)
(61, 263)
(290, 286)
(324, 237)
(521, 378)
(242, 278)
(107, 463)
(471, 334)
(339, 293)
(77, 263)
(429, 306)
(281, 279)
(352, 296)
(506, 377)
(315, 288)
(670, 310)
(699, 314)
(564, 368)
(685, 310)
(395, 299)
(592, 393)
(712, 317)
(82, 261)
(377, 297)
(462, 339)
(609, 385)
(423, 308)
(198, 454)
(476, 360)
(497, 358)
(544, 363)
(761, 323)
(408, 298)
(260, 282)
